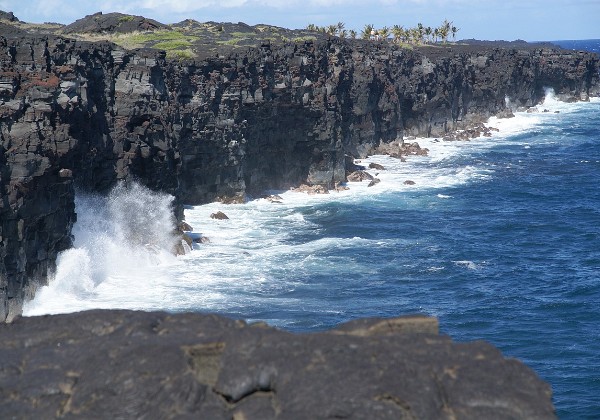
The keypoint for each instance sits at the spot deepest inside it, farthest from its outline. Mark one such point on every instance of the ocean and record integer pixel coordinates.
(498, 237)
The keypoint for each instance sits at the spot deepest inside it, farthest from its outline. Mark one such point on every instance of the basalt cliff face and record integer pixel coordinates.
(87, 115)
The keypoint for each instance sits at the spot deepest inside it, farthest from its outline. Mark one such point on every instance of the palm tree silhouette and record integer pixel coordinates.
(384, 33)
(366, 32)
(398, 32)
(428, 33)
(454, 30)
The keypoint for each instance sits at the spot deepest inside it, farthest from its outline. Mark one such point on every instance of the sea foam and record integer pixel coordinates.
(119, 242)
(265, 250)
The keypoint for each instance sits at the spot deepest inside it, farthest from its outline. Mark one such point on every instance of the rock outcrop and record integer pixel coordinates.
(88, 115)
(122, 364)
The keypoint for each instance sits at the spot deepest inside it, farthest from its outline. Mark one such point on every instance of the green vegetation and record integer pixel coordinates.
(158, 36)
(164, 40)
(181, 54)
(234, 41)
(420, 34)
(240, 34)
(304, 38)
(172, 45)
(126, 18)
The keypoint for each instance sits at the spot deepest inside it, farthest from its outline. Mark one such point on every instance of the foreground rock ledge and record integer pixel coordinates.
(124, 364)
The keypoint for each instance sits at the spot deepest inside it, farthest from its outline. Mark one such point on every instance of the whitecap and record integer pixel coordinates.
(466, 264)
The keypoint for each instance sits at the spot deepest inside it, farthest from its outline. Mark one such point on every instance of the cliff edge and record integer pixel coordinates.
(123, 364)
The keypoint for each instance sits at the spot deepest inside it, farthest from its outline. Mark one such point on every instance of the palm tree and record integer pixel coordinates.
(445, 30)
(352, 33)
(366, 32)
(420, 31)
(340, 26)
(436, 34)
(343, 33)
(331, 30)
(428, 33)
(384, 33)
(312, 27)
(454, 30)
(398, 32)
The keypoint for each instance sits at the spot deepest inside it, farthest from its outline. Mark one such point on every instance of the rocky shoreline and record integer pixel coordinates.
(279, 109)
(87, 115)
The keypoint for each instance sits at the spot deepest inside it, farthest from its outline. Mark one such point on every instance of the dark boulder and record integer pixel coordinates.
(219, 216)
(359, 176)
(374, 182)
(376, 166)
(9, 16)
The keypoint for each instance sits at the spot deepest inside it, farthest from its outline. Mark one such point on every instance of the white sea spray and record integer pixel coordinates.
(119, 242)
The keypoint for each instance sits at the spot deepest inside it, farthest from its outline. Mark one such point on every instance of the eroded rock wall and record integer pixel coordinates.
(86, 115)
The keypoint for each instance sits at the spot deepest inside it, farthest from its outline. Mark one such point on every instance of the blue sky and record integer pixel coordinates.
(531, 20)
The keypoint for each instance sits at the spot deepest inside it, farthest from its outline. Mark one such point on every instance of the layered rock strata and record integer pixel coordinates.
(122, 364)
(89, 115)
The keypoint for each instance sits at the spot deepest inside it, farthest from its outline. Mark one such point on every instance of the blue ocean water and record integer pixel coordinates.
(581, 45)
(498, 237)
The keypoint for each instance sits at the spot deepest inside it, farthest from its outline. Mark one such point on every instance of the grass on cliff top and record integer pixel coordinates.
(177, 44)
(164, 40)
(192, 39)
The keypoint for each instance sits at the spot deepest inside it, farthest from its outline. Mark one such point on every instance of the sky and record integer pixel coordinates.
(530, 20)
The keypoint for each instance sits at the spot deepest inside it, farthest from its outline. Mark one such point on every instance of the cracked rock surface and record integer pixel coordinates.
(125, 364)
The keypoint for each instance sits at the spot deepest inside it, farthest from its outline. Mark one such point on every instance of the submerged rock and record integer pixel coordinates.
(124, 364)
(374, 182)
(376, 166)
(311, 189)
(359, 176)
(219, 216)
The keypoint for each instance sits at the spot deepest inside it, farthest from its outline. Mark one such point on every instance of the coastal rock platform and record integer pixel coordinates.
(125, 364)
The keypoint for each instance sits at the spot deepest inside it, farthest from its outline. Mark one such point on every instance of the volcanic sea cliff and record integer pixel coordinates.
(222, 122)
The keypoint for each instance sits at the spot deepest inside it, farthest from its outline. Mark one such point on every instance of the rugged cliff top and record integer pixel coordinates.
(123, 364)
(191, 39)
